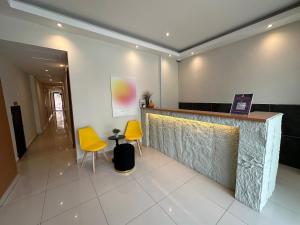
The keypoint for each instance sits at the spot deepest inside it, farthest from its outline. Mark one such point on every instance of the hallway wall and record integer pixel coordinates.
(92, 62)
(42, 94)
(16, 87)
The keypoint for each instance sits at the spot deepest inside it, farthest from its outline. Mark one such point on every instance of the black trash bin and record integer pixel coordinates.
(124, 157)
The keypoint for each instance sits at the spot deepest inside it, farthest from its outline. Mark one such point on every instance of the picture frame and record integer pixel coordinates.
(241, 104)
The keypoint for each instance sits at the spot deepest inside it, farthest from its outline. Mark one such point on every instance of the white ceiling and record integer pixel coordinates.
(34, 60)
(189, 22)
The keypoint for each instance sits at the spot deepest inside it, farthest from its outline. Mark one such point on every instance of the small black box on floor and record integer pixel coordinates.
(124, 157)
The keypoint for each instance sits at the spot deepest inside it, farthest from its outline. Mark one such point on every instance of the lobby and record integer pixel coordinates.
(175, 69)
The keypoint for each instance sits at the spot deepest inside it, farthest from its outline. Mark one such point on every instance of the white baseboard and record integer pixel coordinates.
(9, 190)
(30, 142)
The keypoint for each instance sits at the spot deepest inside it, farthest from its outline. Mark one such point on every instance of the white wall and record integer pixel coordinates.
(16, 87)
(91, 63)
(35, 102)
(267, 65)
(169, 83)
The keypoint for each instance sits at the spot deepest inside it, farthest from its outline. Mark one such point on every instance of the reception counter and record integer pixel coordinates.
(240, 152)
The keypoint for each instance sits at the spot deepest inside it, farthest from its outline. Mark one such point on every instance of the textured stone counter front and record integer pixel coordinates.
(237, 153)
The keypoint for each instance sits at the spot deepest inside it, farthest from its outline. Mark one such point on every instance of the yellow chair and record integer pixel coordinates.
(134, 133)
(90, 142)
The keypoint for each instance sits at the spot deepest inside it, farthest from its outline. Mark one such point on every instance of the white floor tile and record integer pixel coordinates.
(67, 196)
(27, 186)
(166, 179)
(211, 190)
(288, 176)
(64, 175)
(89, 213)
(124, 203)
(27, 211)
(191, 208)
(229, 219)
(287, 197)
(153, 216)
(105, 181)
(150, 161)
(272, 214)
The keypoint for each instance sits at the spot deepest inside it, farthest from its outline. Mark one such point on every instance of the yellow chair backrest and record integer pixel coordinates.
(87, 137)
(133, 128)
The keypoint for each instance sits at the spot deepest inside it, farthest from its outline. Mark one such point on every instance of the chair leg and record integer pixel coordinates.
(83, 158)
(94, 153)
(105, 156)
(139, 146)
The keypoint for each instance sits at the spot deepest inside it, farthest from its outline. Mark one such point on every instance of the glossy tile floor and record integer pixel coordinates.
(52, 190)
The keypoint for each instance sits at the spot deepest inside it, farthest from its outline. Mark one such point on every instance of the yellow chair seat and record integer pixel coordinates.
(134, 132)
(133, 137)
(90, 142)
(94, 147)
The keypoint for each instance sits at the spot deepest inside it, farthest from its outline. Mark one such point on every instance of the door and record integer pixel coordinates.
(58, 102)
(19, 130)
(8, 168)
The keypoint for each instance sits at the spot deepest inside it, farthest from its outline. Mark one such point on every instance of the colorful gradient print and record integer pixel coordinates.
(123, 92)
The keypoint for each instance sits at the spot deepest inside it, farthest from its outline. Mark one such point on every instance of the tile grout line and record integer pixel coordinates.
(44, 202)
(98, 198)
(238, 218)
(156, 204)
(67, 210)
(225, 212)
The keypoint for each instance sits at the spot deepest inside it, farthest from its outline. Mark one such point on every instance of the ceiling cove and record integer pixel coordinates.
(279, 18)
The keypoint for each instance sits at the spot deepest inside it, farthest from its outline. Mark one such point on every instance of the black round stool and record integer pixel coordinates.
(124, 157)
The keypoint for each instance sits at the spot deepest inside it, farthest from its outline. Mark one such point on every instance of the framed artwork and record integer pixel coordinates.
(123, 96)
(241, 104)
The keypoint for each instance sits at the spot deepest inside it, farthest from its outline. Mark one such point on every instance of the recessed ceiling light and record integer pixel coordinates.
(167, 34)
(136, 46)
(59, 24)
(50, 80)
(46, 70)
(192, 53)
(170, 55)
(270, 25)
(61, 65)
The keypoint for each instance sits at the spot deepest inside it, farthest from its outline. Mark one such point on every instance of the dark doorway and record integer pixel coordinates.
(19, 130)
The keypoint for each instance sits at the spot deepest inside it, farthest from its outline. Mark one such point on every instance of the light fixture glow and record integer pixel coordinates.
(61, 203)
(270, 25)
(192, 53)
(170, 55)
(61, 65)
(50, 80)
(167, 34)
(136, 46)
(59, 24)
(46, 70)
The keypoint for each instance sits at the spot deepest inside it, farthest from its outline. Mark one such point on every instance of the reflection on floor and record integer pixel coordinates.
(52, 190)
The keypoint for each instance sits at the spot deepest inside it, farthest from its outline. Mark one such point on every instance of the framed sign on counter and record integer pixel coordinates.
(241, 104)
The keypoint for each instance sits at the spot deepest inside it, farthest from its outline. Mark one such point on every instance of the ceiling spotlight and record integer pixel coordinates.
(59, 24)
(61, 65)
(50, 80)
(270, 25)
(136, 46)
(170, 55)
(167, 34)
(192, 53)
(46, 70)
